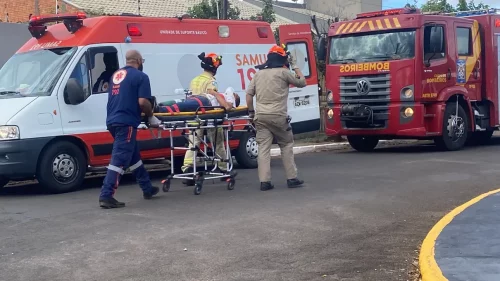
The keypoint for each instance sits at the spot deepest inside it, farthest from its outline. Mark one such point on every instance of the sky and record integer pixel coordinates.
(387, 4)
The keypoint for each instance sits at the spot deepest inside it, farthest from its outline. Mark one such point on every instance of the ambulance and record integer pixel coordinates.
(55, 134)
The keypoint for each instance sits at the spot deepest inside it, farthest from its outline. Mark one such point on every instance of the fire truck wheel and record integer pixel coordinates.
(247, 151)
(363, 144)
(62, 167)
(455, 130)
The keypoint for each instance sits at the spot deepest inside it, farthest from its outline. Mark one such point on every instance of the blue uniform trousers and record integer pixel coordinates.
(125, 155)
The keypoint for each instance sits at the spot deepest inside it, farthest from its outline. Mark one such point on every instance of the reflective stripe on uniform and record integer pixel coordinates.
(116, 169)
(135, 166)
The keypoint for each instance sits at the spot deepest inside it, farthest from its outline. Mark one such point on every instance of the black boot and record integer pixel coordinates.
(188, 182)
(110, 203)
(264, 186)
(293, 183)
(149, 195)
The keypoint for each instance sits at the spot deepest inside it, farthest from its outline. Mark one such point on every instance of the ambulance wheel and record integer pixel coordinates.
(62, 167)
(363, 144)
(230, 184)
(247, 152)
(455, 130)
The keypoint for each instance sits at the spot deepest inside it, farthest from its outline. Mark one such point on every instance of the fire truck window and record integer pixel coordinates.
(104, 65)
(464, 41)
(81, 74)
(434, 43)
(299, 52)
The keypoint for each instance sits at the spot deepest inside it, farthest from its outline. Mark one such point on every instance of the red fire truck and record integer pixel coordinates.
(403, 74)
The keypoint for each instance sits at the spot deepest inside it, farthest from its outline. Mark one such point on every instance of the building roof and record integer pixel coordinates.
(164, 8)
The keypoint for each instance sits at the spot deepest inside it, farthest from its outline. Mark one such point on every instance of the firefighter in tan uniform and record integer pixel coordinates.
(202, 84)
(270, 87)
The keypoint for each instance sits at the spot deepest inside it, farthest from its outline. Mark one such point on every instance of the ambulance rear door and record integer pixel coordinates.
(303, 104)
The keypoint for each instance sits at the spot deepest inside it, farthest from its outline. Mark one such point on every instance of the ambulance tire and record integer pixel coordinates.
(447, 143)
(61, 168)
(363, 144)
(246, 153)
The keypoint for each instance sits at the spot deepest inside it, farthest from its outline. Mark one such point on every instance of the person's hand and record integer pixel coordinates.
(292, 61)
(154, 122)
(251, 114)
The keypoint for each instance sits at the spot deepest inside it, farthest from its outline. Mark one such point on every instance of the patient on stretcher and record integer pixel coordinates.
(228, 99)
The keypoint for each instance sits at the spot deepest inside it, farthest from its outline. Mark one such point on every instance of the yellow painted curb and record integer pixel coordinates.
(429, 268)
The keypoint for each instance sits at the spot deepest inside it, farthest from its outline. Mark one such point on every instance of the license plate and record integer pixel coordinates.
(301, 101)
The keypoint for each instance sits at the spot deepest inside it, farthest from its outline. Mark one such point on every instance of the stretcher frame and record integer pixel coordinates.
(215, 118)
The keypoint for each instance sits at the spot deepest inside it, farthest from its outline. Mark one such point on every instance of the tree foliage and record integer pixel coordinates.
(212, 9)
(445, 7)
(267, 13)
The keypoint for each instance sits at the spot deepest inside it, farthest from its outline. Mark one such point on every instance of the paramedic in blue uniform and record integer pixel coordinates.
(128, 95)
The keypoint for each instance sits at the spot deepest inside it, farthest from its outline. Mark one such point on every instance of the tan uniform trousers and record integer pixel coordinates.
(269, 126)
(219, 149)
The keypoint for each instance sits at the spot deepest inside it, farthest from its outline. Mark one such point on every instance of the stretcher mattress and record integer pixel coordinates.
(208, 114)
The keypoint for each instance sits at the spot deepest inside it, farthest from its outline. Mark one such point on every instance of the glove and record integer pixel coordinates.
(154, 122)
(292, 61)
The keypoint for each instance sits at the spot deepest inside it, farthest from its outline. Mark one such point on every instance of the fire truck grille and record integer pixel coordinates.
(371, 90)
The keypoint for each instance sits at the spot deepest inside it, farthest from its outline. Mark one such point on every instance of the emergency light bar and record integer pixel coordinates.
(476, 12)
(73, 22)
(389, 12)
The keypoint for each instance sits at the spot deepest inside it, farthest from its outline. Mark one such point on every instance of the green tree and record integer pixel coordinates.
(437, 6)
(462, 5)
(267, 13)
(210, 9)
(481, 6)
(411, 6)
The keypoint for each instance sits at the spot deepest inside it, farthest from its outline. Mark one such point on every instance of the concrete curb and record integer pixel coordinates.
(429, 268)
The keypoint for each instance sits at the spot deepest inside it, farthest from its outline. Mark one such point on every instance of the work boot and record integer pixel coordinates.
(149, 195)
(188, 182)
(265, 186)
(110, 203)
(293, 183)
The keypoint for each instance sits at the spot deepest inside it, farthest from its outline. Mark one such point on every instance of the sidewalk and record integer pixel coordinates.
(465, 244)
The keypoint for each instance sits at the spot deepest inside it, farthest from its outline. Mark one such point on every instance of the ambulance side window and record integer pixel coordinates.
(434, 43)
(81, 74)
(104, 62)
(301, 54)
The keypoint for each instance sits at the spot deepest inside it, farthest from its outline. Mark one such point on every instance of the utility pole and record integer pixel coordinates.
(139, 7)
(224, 9)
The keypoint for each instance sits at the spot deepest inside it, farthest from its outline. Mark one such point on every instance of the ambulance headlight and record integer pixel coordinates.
(9, 133)
(329, 97)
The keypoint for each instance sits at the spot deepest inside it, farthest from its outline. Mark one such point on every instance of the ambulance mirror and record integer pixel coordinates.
(321, 50)
(73, 92)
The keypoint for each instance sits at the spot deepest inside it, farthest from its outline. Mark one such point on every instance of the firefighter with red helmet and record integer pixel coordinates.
(205, 83)
(270, 87)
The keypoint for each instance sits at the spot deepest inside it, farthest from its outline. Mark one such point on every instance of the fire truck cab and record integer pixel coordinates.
(56, 134)
(402, 74)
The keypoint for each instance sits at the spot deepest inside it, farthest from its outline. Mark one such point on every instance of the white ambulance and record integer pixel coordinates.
(54, 134)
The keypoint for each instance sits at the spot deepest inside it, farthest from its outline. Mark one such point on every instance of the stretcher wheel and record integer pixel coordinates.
(230, 184)
(166, 185)
(197, 189)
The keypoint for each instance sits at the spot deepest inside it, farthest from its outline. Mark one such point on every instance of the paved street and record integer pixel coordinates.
(360, 218)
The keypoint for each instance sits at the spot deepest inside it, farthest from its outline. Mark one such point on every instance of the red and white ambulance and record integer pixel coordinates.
(48, 134)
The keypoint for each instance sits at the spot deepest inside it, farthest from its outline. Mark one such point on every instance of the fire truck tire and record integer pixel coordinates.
(363, 144)
(247, 151)
(62, 167)
(453, 139)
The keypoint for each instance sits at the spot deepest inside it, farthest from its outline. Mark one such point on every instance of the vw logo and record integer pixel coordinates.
(363, 87)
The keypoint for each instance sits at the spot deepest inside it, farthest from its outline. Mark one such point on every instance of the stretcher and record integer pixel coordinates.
(205, 117)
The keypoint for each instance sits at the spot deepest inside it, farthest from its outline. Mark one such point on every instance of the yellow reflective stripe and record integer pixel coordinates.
(340, 28)
(361, 26)
(388, 23)
(354, 26)
(347, 27)
(396, 22)
(379, 24)
(370, 24)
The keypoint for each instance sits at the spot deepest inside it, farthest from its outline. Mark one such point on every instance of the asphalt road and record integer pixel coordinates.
(359, 218)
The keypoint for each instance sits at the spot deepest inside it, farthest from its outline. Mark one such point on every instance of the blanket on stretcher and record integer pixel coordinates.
(192, 103)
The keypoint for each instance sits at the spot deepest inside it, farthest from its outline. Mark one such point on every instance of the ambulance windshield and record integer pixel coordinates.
(33, 73)
(385, 46)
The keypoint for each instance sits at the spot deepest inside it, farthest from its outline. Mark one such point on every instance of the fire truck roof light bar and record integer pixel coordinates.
(467, 13)
(389, 12)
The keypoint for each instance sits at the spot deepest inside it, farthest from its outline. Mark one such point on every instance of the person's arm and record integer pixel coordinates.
(145, 96)
(297, 80)
(222, 101)
(250, 95)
